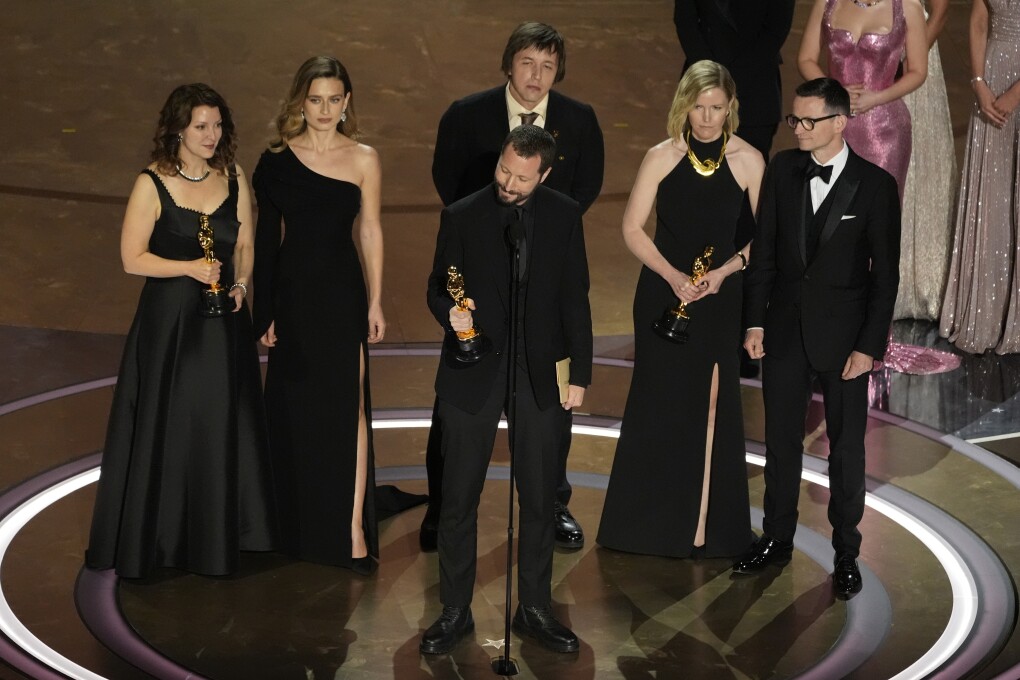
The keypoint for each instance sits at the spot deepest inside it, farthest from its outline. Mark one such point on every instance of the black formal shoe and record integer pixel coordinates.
(766, 552)
(364, 566)
(748, 367)
(428, 538)
(539, 623)
(443, 635)
(428, 535)
(568, 532)
(846, 578)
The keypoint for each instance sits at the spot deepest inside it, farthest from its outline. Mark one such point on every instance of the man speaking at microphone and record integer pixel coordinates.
(554, 323)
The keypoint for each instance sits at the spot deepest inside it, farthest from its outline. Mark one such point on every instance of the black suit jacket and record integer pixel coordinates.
(745, 36)
(471, 134)
(557, 317)
(843, 299)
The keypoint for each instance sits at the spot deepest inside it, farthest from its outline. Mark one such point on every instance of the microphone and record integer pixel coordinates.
(515, 234)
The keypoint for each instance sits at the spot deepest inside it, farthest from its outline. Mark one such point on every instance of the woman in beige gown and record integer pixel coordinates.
(982, 306)
(930, 188)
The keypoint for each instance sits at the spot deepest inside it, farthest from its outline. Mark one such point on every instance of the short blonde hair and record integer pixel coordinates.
(701, 76)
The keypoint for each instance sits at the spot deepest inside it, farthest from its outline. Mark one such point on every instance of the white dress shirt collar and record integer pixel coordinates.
(514, 110)
(820, 189)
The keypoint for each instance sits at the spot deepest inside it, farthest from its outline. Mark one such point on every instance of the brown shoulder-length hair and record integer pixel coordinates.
(542, 37)
(290, 123)
(176, 116)
(701, 76)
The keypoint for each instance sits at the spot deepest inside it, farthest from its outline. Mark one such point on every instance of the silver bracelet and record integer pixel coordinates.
(244, 289)
(977, 79)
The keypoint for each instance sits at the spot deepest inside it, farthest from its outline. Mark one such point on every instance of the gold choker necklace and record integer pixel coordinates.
(705, 168)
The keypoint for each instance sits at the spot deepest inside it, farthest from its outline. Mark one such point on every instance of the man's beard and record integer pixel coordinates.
(517, 197)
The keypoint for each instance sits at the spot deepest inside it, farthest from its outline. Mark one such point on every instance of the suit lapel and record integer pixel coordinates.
(491, 227)
(552, 118)
(497, 116)
(801, 196)
(725, 10)
(843, 194)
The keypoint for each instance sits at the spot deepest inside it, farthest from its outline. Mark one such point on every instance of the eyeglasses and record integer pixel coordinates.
(808, 123)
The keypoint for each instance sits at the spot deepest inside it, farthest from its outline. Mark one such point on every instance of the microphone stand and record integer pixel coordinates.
(504, 665)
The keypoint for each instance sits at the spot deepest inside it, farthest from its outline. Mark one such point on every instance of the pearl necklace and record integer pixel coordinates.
(707, 167)
(189, 178)
(866, 5)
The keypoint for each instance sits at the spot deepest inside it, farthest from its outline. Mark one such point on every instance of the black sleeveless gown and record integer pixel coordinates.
(654, 496)
(185, 477)
(308, 279)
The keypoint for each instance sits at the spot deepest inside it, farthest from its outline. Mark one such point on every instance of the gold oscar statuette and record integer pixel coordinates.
(466, 346)
(215, 297)
(673, 324)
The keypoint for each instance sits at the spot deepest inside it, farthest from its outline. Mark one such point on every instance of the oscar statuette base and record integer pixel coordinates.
(215, 303)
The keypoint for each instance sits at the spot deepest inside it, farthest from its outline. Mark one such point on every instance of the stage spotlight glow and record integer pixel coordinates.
(964, 588)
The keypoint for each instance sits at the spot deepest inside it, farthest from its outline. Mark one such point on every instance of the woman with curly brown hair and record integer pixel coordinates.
(315, 312)
(185, 473)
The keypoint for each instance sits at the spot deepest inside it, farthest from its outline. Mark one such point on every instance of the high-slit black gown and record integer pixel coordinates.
(185, 477)
(309, 281)
(654, 496)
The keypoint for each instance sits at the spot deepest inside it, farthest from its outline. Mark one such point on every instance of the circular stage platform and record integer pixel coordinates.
(939, 559)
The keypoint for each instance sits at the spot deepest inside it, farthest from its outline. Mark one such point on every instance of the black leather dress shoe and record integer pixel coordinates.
(846, 578)
(428, 537)
(569, 534)
(766, 552)
(539, 624)
(443, 635)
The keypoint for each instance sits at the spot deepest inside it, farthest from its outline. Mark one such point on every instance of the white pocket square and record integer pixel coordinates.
(847, 217)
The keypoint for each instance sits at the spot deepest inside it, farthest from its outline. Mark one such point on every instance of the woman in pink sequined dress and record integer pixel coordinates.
(863, 42)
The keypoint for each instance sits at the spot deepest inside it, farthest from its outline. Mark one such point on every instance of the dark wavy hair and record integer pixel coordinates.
(529, 141)
(290, 123)
(176, 116)
(837, 99)
(542, 37)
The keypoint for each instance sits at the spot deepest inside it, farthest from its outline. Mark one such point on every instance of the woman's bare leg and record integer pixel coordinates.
(699, 534)
(358, 546)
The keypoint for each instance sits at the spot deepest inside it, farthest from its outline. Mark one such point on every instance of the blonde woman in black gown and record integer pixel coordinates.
(316, 314)
(679, 482)
(185, 473)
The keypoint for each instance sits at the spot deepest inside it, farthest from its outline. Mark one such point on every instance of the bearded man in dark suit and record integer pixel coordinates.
(468, 145)
(555, 323)
(818, 302)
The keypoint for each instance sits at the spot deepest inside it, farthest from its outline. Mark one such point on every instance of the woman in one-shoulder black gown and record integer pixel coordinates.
(314, 311)
(185, 471)
(679, 483)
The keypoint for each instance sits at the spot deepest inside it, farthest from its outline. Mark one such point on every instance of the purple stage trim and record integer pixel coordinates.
(95, 593)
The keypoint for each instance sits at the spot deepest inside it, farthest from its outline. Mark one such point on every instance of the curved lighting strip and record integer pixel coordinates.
(961, 579)
(962, 582)
(10, 624)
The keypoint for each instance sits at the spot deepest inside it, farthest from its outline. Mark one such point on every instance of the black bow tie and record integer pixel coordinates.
(822, 172)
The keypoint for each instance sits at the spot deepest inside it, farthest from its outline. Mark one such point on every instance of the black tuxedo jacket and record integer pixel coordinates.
(842, 300)
(557, 317)
(745, 36)
(471, 134)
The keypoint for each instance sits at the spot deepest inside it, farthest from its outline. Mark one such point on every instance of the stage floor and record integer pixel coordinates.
(941, 552)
